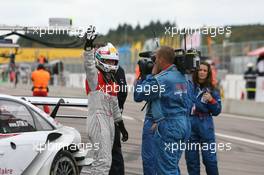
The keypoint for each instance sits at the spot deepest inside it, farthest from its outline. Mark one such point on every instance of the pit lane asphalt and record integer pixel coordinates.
(244, 134)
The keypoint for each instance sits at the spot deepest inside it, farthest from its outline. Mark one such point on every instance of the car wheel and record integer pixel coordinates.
(64, 164)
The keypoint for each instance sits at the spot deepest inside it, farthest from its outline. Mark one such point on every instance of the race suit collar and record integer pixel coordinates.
(167, 67)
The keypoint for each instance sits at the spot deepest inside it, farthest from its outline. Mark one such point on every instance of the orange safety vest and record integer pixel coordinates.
(40, 79)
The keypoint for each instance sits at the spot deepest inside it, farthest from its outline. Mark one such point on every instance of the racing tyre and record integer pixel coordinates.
(64, 164)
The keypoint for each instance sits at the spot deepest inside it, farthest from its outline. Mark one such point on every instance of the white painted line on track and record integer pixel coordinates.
(234, 137)
(242, 117)
(240, 139)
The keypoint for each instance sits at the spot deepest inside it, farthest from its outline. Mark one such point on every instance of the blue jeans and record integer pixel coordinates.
(148, 153)
(203, 134)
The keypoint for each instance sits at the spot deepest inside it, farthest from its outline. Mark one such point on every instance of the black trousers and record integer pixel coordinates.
(251, 95)
(117, 167)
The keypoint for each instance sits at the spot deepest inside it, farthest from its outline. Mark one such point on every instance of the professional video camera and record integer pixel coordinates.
(146, 63)
(185, 61)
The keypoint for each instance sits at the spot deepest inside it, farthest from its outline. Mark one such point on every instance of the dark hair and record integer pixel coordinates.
(208, 80)
(40, 66)
(167, 53)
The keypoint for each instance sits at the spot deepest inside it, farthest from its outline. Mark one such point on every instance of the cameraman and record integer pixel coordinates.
(169, 124)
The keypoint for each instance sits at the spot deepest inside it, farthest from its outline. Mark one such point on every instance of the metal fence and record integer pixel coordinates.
(231, 57)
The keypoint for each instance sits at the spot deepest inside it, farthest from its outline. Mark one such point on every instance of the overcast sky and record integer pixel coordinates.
(106, 14)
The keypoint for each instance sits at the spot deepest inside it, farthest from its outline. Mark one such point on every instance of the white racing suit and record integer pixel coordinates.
(103, 111)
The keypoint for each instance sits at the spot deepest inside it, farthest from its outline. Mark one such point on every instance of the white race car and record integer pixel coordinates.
(33, 143)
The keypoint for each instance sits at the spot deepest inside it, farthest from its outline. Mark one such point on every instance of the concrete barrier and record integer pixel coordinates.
(243, 107)
(233, 86)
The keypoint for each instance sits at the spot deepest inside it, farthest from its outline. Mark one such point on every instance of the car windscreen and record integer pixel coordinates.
(14, 118)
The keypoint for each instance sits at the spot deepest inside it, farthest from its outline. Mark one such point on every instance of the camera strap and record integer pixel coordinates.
(142, 109)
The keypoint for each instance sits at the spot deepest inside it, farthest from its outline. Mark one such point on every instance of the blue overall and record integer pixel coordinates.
(147, 148)
(169, 110)
(203, 133)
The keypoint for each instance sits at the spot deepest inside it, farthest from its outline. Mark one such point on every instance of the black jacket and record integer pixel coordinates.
(121, 81)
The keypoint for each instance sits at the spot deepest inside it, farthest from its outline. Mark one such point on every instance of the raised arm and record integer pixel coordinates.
(89, 61)
(90, 69)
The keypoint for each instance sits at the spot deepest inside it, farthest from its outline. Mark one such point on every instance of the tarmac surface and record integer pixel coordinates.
(240, 139)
